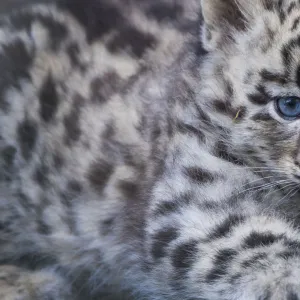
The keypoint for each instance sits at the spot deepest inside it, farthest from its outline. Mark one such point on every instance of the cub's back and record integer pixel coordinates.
(85, 115)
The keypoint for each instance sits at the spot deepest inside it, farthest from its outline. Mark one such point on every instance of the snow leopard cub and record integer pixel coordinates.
(150, 148)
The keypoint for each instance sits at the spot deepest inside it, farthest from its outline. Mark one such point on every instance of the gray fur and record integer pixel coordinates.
(141, 154)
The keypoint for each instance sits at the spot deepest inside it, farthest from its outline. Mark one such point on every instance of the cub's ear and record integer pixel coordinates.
(224, 17)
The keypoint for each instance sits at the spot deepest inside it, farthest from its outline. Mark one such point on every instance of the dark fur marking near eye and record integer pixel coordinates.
(15, 61)
(286, 51)
(291, 7)
(298, 76)
(132, 40)
(165, 12)
(161, 241)
(187, 128)
(225, 107)
(256, 239)
(105, 86)
(264, 117)
(202, 115)
(295, 24)
(72, 121)
(253, 260)
(184, 256)
(27, 136)
(99, 174)
(198, 175)
(98, 18)
(221, 262)
(221, 151)
(49, 99)
(260, 97)
(273, 77)
(224, 228)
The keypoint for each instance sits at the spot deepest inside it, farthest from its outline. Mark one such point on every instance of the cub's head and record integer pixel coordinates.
(251, 79)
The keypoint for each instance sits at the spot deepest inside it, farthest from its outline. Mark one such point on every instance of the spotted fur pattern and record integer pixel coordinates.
(141, 153)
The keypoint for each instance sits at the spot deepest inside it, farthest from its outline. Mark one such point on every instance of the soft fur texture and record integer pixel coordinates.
(141, 153)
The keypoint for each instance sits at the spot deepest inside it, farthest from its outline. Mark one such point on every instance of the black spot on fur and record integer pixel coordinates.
(41, 176)
(71, 192)
(202, 115)
(15, 61)
(292, 296)
(224, 228)
(269, 5)
(254, 260)
(262, 117)
(73, 52)
(221, 262)
(165, 208)
(291, 7)
(256, 239)
(43, 228)
(282, 16)
(106, 227)
(57, 31)
(189, 129)
(273, 77)
(8, 155)
(129, 189)
(260, 97)
(298, 76)
(286, 52)
(34, 260)
(105, 86)
(266, 295)
(72, 121)
(184, 256)
(199, 175)
(58, 161)
(161, 241)
(98, 18)
(295, 24)
(224, 108)
(165, 12)
(221, 151)
(168, 207)
(99, 174)
(74, 187)
(27, 136)
(133, 41)
(49, 99)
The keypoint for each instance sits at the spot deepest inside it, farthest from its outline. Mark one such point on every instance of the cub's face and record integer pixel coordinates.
(258, 45)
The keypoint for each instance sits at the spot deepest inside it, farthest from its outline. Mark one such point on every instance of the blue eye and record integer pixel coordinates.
(288, 107)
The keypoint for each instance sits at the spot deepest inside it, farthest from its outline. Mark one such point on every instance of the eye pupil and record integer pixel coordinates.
(289, 107)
